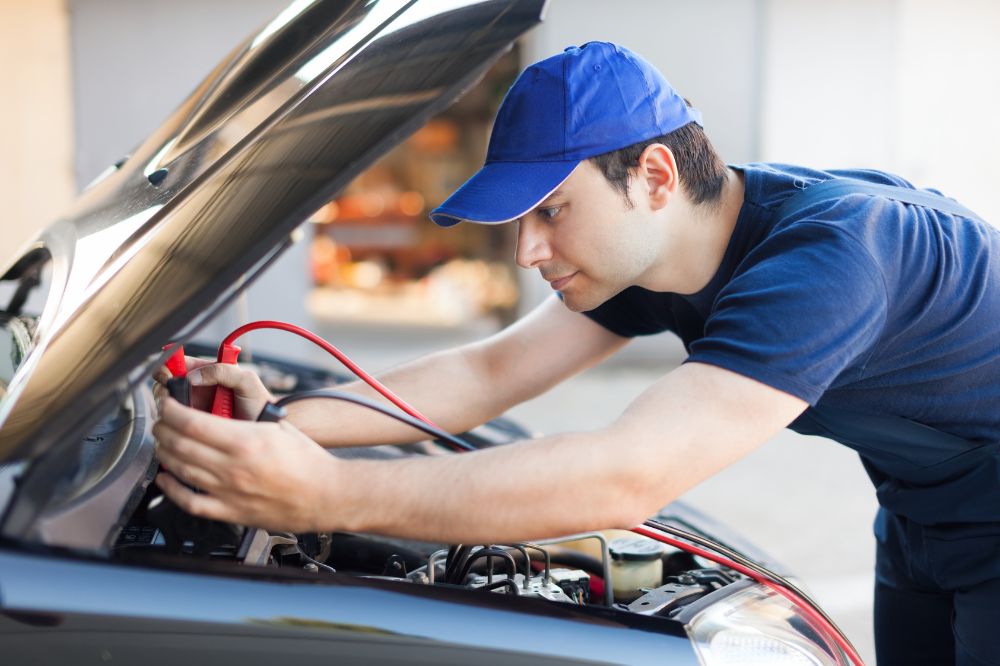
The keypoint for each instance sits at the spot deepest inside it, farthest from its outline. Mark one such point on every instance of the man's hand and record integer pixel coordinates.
(261, 474)
(249, 392)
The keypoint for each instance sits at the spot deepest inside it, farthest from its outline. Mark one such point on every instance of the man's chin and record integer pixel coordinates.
(576, 302)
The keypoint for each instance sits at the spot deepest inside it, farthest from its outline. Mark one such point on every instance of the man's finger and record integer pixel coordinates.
(193, 475)
(162, 374)
(172, 446)
(197, 504)
(225, 374)
(194, 362)
(227, 435)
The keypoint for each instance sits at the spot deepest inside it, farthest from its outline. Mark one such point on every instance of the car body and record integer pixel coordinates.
(147, 255)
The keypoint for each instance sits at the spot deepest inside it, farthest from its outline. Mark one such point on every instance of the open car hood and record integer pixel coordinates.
(160, 242)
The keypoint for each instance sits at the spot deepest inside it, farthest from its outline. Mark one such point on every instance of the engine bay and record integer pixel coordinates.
(626, 572)
(106, 503)
(95, 498)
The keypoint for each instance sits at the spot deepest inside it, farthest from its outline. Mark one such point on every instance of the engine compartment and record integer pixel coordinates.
(582, 570)
(94, 498)
(562, 569)
(106, 504)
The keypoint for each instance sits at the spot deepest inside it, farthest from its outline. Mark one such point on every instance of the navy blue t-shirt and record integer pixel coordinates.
(861, 303)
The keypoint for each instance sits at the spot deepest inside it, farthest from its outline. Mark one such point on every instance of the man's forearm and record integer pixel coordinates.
(547, 487)
(450, 388)
(683, 429)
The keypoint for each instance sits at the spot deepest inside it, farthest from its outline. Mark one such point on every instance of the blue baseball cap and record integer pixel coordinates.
(586, 101)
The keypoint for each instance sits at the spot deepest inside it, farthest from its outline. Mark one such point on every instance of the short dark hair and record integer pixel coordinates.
(702, 171)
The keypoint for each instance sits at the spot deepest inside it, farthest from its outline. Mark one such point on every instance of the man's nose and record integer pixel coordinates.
(533, 246)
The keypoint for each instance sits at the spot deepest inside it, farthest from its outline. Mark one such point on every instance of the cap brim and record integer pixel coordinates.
(502, 192)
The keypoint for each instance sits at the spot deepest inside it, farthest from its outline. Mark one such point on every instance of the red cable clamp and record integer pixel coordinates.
(176, 363)
(222, 403)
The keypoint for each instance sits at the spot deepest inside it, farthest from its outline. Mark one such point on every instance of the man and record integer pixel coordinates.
(876, 309)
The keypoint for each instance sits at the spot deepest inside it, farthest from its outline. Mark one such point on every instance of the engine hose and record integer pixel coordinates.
(509, 584)
(489, 552)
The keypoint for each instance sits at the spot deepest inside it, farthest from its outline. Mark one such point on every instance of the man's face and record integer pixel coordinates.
(586, 242)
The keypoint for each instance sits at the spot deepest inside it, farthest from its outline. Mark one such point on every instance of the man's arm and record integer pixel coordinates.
(687, 426)
(464, 387)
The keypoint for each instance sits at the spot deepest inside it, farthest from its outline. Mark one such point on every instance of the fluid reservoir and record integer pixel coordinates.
(636, 562)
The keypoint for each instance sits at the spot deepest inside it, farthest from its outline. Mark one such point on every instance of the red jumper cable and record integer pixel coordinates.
(228, 353)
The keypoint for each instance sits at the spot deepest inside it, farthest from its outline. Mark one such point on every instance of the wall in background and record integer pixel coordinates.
(828, 94)
(948, 95)
(36, 118)
(908, 86)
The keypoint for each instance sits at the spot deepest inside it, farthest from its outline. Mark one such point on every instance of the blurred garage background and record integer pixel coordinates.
(909, 86)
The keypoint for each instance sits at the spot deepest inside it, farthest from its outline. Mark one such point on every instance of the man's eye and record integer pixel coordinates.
(549, 213)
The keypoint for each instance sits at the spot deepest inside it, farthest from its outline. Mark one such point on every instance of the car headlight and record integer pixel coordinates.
(756, 625)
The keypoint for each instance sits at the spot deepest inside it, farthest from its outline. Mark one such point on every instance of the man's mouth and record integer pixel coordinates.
(559, 283)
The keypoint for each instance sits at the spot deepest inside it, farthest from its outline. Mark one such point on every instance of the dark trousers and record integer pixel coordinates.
(937, 594)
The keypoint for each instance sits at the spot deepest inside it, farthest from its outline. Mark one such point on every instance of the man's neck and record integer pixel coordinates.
(696, 251)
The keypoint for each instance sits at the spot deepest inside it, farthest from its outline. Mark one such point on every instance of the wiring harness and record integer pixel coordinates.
(460, 556)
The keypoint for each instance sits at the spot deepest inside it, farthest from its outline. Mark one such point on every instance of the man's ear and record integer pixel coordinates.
(658, 169)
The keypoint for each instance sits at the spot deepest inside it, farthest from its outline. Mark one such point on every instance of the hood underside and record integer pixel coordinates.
(155, 247)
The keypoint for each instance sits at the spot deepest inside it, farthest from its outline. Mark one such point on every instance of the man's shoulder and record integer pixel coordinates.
(777, 195)
(769, 185)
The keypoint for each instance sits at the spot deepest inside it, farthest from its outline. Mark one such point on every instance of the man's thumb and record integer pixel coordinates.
(216, 373)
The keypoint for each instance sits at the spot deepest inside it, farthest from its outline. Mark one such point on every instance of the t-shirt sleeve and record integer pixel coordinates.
(803, 307)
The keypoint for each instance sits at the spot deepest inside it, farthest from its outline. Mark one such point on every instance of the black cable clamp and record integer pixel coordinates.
(272, 413)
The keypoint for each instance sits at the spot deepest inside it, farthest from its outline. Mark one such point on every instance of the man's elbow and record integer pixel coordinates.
(637, 492)
(627, 517)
